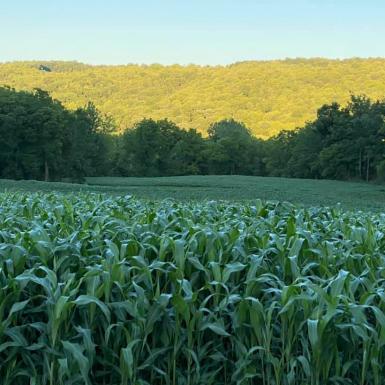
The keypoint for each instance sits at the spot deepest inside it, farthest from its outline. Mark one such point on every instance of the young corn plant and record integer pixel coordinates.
(102, 290)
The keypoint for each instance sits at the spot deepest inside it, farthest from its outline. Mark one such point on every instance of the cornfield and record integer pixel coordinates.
(115, 291)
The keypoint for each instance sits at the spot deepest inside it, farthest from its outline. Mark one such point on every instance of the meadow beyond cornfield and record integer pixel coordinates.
(102, 290)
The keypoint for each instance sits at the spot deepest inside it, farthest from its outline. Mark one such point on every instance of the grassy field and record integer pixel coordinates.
(235, 188)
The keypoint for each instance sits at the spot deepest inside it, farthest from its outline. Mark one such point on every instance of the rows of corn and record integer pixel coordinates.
(110, 291)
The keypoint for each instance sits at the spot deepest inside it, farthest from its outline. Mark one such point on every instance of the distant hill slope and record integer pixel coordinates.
(266, 95)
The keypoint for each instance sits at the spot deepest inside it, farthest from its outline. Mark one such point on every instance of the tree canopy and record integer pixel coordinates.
(41, 139)
(267, 96)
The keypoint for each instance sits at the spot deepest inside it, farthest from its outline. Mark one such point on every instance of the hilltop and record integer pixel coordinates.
(268, 96)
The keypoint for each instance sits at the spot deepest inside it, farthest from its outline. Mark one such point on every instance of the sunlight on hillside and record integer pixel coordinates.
(268, 96)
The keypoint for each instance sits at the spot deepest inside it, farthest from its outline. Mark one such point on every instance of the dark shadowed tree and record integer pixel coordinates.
(232, 149)
(40, 139)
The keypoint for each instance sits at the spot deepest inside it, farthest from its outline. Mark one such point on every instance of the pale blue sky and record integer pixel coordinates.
(189, 31)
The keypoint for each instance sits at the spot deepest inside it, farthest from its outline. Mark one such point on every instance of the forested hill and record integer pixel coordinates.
(268, 96)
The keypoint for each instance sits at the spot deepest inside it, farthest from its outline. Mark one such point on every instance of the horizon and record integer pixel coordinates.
(167, 32)
(149, 64)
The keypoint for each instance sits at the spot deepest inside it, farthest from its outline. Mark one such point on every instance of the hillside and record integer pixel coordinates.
(268, 96)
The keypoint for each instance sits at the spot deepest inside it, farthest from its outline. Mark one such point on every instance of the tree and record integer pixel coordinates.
(186, 157)
(40, 139)
(92, 142)
(342, 143)
(305, 148)
(232, 148)
(278, 152)
(151, 149)
(33, 147)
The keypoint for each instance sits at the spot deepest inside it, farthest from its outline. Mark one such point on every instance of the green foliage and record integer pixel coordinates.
(304, 192)
(342, 143)
(32, 128)
(98, 290)
(41, 140)
(159, 148)
(232, 149)
(268, 96)
(381, 171)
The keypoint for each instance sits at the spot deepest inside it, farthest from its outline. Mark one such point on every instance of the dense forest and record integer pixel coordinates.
(41, 139)
(268, 96)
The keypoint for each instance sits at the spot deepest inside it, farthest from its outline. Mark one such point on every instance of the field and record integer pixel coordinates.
(97, 289)
(306, 192)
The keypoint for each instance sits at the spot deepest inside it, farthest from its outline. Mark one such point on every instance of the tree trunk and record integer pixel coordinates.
(46, 171)
(367, 168)
(360, 164)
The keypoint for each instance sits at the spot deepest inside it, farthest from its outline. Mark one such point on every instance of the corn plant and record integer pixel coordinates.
(118, 291)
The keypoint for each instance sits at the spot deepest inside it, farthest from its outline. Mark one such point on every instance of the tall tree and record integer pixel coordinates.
(33, 147)
(157, 148)
(232, 148)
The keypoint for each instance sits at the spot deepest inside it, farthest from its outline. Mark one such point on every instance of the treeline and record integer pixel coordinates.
(40, 139)
(342, 143)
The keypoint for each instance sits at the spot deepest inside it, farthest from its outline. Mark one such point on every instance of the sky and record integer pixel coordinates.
(206, 32)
